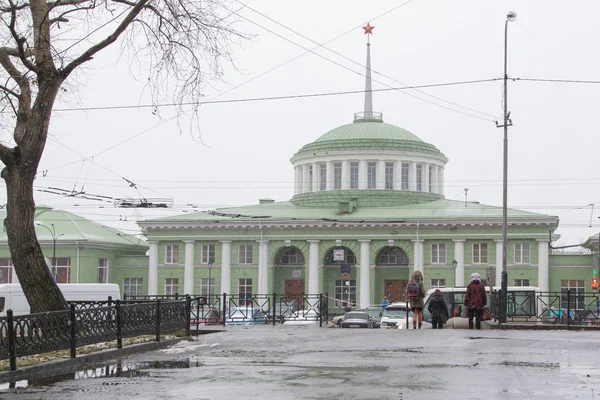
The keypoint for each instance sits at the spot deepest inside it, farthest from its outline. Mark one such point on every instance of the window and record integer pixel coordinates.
(437, 283)
(480, 253)
(573, 290)
(103, 270)
(392, 256)
(207, 255)
(310, 177)
(522, 282)
(405, 169)
(323, 176)
(430, 172)
(6, 267)
(345, 291)
(245, 254)
(207, 287)
(389, 175)
(245, 290)
(171, 286)
(292, 256)
(419, 178)
(62, 270)
(522, 253)
(438, 253)
(132, 286)
(340, 255)
(371, 175)
(172, 254)
(353, 175)
(337, 176)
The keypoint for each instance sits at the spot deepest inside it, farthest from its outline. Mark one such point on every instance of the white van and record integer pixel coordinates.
(12, 297)
(522, 302)
(396, 315)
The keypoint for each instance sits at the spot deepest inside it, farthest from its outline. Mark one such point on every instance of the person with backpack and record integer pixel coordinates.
(475, 300)
(415, 291)
(438, 309)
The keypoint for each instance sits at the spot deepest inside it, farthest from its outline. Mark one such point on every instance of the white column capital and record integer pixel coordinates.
(224, 241)
(313, 241)
(262, 241)
(417, 241)
(188, 241)
(498, 240)
(459, 240)
(542, 240)
(364, 241)
(152, 242)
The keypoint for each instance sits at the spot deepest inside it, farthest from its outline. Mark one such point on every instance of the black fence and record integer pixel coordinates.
(88, 323)
(567, 307)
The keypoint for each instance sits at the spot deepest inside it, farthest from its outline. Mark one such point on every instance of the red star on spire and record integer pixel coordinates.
(368, 29)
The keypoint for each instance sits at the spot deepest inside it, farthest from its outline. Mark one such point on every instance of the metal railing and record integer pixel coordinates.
(567, 307)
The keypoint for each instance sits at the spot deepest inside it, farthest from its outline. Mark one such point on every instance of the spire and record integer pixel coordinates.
(368, 88)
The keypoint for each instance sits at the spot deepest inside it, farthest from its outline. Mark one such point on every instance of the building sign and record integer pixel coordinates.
(296, 273)
(345, 272)
(338, 255)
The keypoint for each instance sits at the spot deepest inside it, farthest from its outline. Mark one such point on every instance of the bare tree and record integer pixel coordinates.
(42, 42)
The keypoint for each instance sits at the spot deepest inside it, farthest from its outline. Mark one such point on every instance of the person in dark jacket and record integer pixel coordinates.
(438, 309)
(475, 300)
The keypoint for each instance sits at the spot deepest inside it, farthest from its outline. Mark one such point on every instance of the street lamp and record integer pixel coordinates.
(54, 238)
(510, 17)
(455, 264)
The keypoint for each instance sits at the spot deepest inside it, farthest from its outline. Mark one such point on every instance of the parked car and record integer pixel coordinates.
(395, 316)
(206, 316)
(375, 313)
(357, 319)
(302, 317)
(245, 316)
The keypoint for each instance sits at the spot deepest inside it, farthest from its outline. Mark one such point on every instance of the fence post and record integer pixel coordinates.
(72, 323)
(274, 306)
(110, 301)
(119, 327)
(224, 307)
(326, 308)
(188, 313)
(321, 309)
(125, 296)
(157, 320)
(12, 348)
(176, 296)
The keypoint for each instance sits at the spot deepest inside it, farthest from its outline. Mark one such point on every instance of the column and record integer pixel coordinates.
(263, 267)
(380, 180)
(345, 175)
(329, 175)
(225, 266)
(441, 180)
(398, 175)
(365, 281)
(305, 178)
(434, 178)
(543, 266)
(153, 269)
(425, 179)
(498, 275)
(188, 272)
(313, 266)
(362, 174)
(315, 177)
(297, 180)
(459, 256)
(412, 180)
(418, 254)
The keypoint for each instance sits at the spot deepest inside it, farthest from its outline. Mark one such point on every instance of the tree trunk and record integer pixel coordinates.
(35, 277)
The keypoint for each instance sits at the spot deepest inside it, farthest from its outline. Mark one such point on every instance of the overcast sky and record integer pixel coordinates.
(239, 151)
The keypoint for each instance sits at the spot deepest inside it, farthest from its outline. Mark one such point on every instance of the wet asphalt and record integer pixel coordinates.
(308, 362)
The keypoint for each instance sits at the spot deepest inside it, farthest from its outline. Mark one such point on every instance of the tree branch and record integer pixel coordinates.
(6, 155)
(89, 53)
(19, 39)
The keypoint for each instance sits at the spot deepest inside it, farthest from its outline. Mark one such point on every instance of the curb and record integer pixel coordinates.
(50, 368)
(539, 327)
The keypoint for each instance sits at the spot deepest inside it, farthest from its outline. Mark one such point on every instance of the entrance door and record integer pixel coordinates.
(395, 289)
(294, 289)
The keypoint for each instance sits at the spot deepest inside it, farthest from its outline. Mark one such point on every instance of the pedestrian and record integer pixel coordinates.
(385, 302)
(475, 300)
(415, 291)
(339, 306)
(438, 309)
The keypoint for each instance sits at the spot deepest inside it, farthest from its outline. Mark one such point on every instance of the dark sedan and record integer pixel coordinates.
(357, 319)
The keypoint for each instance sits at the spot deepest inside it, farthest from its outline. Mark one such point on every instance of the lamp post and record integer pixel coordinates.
(54, 238)
(455, 264)
(510, 17)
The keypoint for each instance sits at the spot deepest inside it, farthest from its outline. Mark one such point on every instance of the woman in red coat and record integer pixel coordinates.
(475, 300)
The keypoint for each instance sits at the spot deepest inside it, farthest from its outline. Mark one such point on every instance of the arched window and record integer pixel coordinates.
(340, 255)
(392, 256)
(290, 256)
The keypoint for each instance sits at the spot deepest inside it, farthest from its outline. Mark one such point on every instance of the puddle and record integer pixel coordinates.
(119, 369)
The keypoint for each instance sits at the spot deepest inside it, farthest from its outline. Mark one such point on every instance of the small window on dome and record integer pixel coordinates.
(405, 171)
(389, 175)
(337, 176)
(323, 176)
(353, 175)
(371, 175)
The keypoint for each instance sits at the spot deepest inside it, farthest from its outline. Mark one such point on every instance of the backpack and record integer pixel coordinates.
(413, 291)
